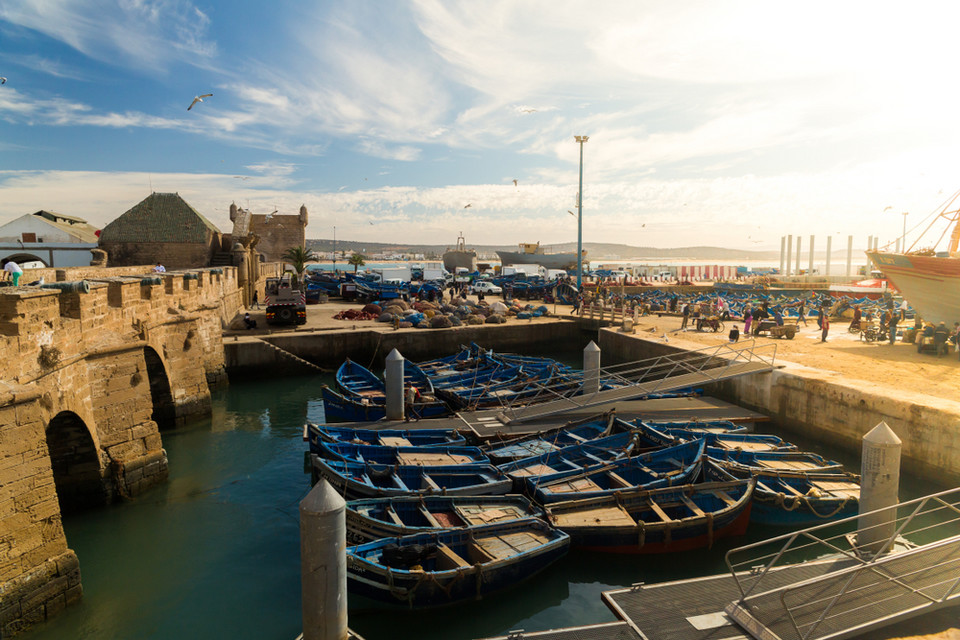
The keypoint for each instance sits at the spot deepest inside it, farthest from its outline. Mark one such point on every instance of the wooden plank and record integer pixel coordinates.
(575, 486)
(599, 517)
(430, 483)
(838, 489)
(451, 555)
(429, 517)
(724, 496)
(691, 505)
(429, 458)
(617, 480)
(660, 512)
(391, 512)
(534, 470)
(392, 441)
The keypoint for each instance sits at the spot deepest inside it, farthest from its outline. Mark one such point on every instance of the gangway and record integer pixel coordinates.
(912, 570)
(637, 379)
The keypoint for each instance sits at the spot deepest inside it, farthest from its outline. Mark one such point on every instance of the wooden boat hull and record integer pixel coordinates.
(667, 467)
(527, 546)
(338, 408)
(667, 520)
(355, 481)
(375, 518)
(403, 455)
(741, 463)
(385, 437)
(709, 426)
(798, 500)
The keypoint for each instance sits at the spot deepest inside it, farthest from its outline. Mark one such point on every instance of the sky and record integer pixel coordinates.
(726, 124)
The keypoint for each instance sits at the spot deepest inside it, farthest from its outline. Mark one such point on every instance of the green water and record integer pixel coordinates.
(214, 552)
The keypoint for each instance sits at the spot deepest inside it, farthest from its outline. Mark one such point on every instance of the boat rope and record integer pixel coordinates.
(781, 501)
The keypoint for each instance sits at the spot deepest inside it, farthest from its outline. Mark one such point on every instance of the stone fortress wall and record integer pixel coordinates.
(89, 382)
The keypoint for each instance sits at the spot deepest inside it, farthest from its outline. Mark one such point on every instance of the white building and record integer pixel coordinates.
(50, 238)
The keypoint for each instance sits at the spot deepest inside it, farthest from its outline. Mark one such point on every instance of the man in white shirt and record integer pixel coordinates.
(11, 267)
(159, 268)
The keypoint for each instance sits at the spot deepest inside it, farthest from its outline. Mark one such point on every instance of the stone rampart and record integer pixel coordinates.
(90, 379)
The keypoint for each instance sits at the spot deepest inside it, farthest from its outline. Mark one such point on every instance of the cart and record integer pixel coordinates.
(711, 323)
(772, 329)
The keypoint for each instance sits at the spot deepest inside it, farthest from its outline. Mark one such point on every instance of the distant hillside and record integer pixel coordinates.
(597, 251)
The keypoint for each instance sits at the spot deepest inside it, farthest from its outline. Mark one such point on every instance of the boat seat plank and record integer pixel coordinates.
(724, 496)
(533, 470)
(598, 517)
(394, 441)
(574, 486)
(733, 445)
(576, 437)
(430, 458)
(429, 517)
(618, 481)
(691, 505)
(451, 556)
(394, 518)
(838, 489)
(791, 490)
(660, 512)
(797, 465)
(430, 484)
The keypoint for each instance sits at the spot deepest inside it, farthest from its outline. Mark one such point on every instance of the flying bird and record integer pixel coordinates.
(468, 206)
(199, 99)
(514, 182)
(244, 178)
(3, 80)
(887, 208)
(528, 110)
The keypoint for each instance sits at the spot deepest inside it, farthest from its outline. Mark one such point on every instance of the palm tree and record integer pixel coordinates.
(357, 260)
(298, 257)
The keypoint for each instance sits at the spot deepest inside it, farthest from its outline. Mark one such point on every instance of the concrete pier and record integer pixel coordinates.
(323, 564)
(879, 488)
(394, 385)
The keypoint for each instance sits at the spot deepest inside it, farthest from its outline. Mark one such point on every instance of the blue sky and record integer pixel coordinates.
(728, 124)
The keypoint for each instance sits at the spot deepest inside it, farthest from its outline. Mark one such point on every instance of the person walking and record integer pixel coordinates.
(824, 327)
(686, 316)
(256, 300)
(747, 319)
(892, 327)
(802, 313)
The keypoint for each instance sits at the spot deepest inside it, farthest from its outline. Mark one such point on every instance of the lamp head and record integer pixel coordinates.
(581, 139)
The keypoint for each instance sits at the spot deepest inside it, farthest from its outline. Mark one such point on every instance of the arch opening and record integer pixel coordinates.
(164, 411)
(24, 258)
(76, 464)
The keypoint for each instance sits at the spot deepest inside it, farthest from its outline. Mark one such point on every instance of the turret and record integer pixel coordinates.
(233, 212)
(303, 215)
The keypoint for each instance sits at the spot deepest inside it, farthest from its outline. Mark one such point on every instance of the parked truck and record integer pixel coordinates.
(286, 303)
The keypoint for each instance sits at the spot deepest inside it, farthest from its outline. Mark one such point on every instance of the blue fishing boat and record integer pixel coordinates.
(798, 500)
(385, 437)
(744, 463)
(506, 449)
(453, 565)
(679, 464)
(670, 519)
(338, 408)
(374, 518)
(706, 426)
(364, 395)
(579, 457)
(353, 480)
(734, 441)
(356, 381)
(402, 455)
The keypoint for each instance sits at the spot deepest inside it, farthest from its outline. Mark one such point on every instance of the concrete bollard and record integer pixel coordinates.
(394, 384)
(591, 368)
(879, 488)
(323, 564)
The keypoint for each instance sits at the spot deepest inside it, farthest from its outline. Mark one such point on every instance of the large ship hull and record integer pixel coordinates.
(931, 285)
(545, 260)
(462, 259)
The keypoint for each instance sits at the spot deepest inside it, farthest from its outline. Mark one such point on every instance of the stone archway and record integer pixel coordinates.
(21, 258)
(75, 460)
(164, 411)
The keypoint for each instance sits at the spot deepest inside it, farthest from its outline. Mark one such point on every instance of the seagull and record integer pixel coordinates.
(468, 206)
(341, 188)
(643, 225)
(3, 80)
(571, 213)
(528, 110)
(199, 99)
(514, 182)
(887, 208)
(244, 178)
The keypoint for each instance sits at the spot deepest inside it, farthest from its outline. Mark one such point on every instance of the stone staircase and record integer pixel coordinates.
(221, 259)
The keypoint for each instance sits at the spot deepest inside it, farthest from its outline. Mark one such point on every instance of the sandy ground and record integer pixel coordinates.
(896, 366)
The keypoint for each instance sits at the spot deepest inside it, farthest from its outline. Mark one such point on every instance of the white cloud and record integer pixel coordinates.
(134, 33)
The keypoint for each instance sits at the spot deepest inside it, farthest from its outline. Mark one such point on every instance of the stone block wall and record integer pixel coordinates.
(93, 362)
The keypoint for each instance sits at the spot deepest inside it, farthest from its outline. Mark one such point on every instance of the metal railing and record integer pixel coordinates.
(913, 555)
(647, 376)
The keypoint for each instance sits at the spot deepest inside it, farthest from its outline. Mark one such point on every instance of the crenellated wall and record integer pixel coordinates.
(90, 379)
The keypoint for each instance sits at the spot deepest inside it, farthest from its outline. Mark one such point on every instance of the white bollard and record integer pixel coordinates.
(323, 564)
(394, 384)
(591, 368)
(879, 488)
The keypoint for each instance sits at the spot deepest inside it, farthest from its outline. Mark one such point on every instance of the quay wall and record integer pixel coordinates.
(328, 349)
(826, 406)
(90, 379)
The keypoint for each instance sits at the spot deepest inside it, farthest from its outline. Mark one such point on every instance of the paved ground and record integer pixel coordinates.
(843, 356)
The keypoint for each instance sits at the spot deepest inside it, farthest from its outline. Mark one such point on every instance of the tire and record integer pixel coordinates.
(286, 315)
(718, 328)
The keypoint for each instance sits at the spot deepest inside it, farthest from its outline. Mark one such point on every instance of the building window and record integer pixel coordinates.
(29, 237)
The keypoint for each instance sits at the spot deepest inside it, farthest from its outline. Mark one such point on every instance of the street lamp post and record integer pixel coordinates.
(580, 140)
(903, 242)
(334, 248)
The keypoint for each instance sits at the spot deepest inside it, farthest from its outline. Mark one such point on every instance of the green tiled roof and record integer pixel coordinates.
(160, 217)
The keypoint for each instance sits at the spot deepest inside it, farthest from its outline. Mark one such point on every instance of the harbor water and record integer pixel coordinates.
(214, 552)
